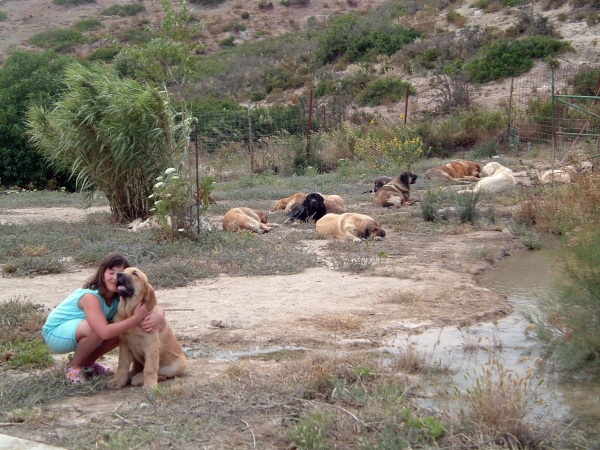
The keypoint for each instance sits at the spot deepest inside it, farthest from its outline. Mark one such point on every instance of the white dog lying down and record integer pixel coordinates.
(566, 174)
(498, 179)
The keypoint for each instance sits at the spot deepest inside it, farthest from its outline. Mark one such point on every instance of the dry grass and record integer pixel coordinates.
(403, 297)
(343, 322)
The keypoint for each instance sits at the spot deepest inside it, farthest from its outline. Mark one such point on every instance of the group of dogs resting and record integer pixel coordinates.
(331, 218)
(146, 358)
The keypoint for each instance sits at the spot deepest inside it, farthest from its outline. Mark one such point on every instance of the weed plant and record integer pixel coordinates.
(59, 40)
(130, 9)
(3, 16)
(87, 25)
(466, 206)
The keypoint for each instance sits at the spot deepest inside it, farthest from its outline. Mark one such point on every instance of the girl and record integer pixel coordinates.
(83, 321)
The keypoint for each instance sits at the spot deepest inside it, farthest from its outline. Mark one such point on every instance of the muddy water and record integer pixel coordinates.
(521, 278)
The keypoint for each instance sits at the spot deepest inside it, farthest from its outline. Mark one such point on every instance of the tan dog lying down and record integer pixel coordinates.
(333, 203)
(567, 174)
(396, 192)
(498, 179)
(350, 226)
(242, 218)
(459, 170)
(144, 358)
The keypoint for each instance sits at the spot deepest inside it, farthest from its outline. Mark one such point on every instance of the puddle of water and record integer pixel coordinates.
(521, 278)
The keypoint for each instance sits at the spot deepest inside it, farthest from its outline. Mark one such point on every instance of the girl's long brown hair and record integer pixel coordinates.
(110, 261)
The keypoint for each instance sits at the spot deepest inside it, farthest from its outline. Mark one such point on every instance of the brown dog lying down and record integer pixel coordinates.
(396, 192)
(460, 170)
(242, 218)
(333, 203)
(144, 358)
(350, 226)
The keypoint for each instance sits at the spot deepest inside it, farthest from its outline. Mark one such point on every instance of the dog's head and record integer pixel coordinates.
(372, 230)
(133, 288)
(476, 170)
(262, 215)
(407, 178)
(314, 203)
(586, 167)
(491, 168)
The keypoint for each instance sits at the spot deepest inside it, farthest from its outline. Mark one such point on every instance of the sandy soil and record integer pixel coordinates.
(311, 309)
(320, 308)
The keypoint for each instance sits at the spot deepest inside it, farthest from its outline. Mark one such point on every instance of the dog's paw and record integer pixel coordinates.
(357, 240)
(115, 384)
(377, 238)
(138, 379)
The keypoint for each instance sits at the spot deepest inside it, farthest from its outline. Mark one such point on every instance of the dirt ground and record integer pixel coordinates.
(430, 282)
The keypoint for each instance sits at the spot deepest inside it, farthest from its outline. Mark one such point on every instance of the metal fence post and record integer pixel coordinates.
(512, 80)
(406, 103)
(250, 140)
(197, 178)
(553, 121)
(309, 126)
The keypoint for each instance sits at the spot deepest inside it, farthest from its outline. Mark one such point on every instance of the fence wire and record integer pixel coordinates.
(558, 107)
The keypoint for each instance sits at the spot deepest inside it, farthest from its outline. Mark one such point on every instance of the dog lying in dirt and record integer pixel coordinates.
(242, 218)
(144, 358)
(461, 170)
(498, 179)
(396, 192)
(313, 208)
(567, 174)
(350, 226)
(333, 203)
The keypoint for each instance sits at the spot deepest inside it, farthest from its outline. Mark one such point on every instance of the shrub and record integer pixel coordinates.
(61, 40)
(229, 41)
(585, 82)
(207, 2)
(136, 37)
(131, 9)
(3, 16)
(104, 54)
(383, 89)
(358, 37)
(295, 2)
(505, 57)
(384, 143)
(88, 25)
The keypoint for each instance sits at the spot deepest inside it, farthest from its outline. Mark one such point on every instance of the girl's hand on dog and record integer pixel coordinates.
(151, 323)
(141, 311)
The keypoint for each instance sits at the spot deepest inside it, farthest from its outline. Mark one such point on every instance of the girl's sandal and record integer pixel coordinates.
(100, 369)
(73, 373)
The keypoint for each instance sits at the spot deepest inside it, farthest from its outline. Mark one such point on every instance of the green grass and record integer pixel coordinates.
(87, 25)
(60, 40)
(123, 10)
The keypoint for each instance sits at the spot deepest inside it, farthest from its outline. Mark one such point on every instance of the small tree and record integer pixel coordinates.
(116, 135)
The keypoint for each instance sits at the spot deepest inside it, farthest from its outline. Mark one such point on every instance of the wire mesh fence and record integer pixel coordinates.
(558, 107)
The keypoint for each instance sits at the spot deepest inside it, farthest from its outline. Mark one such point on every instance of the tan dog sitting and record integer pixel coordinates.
(396, 192)
(333, 203)
(242, 218)
(144, 358)
(460, 170)
(352, 226)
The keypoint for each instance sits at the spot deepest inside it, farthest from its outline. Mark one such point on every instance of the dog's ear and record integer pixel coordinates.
(405, 177)
(413, 178)
(150, 297)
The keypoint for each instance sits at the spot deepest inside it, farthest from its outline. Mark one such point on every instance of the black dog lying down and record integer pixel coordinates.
(313, 207)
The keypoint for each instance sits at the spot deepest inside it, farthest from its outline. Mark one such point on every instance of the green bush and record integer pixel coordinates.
(508, 57)
(88, 25)
(586, 81)
(61, 40)
(383, 89)
(229, 41)
(136, 37)
(208, 2)
(357, 37)
(26, 78)
(130, 9)
(3, 16)
(104, 54)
